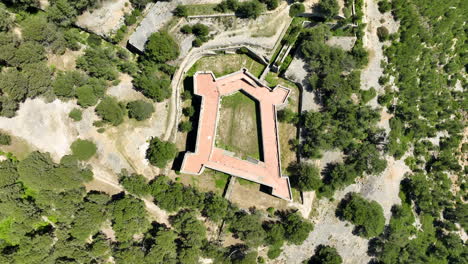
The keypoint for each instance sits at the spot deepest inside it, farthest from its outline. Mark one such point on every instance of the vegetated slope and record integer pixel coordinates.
(427, 59)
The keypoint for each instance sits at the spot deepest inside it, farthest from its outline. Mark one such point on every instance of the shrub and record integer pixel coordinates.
(200, 30)
(188, 111)
(160, 152)
(76, 114)
(185, 126)
(83, 149)
(5, 139)
(288, 116)
(384, 6)
(382, 33)
(186, 29)
(296, 9)
(197, 42)
(140, 110)
(367, 95)
(271, 4)
(86, 96)
(181, 11)
(110, 111)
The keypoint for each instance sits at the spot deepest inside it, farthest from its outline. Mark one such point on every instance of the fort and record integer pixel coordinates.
(266, 171)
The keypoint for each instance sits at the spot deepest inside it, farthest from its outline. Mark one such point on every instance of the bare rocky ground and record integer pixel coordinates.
(383, 188)
(106, 19)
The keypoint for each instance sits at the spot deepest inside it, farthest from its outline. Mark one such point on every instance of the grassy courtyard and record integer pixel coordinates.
(238, 130)
(227, 63)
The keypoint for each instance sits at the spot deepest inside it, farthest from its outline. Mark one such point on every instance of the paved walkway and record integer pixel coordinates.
(266, 172)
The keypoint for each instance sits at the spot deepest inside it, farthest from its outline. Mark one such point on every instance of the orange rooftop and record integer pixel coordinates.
(266, 172)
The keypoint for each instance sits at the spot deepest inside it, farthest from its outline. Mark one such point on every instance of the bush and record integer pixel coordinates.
(152, 87)
(140, 110)
(296, 9)
(271, 4)
(181, 11)
(367, 95)
(110, 111)
(86, 96)
(185, 126)
(188, 111)
(161, 47)
(197, 42)
(5, 139)
(382, 33)
(160, 152)
(384, 6)
(186, 29)
(76, 114)
(83, 149)
(288, 116)
(200, 30)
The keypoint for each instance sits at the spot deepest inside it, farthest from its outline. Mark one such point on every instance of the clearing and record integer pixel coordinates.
(237, 128)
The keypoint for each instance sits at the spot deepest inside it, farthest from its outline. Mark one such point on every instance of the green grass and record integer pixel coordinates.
(245, 182)
(272, 79)
(224, 64)
(235, 110)
(202, 9)
(221, 180)
(5, 230)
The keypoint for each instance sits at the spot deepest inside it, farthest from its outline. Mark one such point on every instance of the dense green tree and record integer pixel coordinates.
(161, 47)
(66, 82)
(129, 217)
(164, 249)
(160, 152)
(153, 87)
(5, 139)
(366, 215)
(110, 111)
(200, 29)
(83, 149)
(39, 172)
(89, 218)
(305, 176)
(140, 110)
(296, 228)
(6, 19)
(192, 231)
(27, 53)
(227, 5)
(328, 8)
(99, 62)
(13, 84)
(134, 183)
(248, 227)
(62, 13)
(296, 9)
(249, 9)
(215, 207)
(325, 255)
(85, 95)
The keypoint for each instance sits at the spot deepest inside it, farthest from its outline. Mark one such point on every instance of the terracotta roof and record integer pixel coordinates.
(266, 172)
